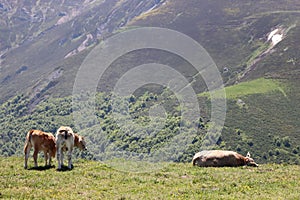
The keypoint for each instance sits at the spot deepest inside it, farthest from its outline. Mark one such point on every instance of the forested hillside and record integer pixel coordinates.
(263, 122)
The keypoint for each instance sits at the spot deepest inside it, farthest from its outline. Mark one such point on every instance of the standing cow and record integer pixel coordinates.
(66, 139)
(40, 141)
(219, 158)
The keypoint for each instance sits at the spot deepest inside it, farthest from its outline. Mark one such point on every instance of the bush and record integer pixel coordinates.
(277, 141)
(286, 141)
(250, 142)
(295, 151)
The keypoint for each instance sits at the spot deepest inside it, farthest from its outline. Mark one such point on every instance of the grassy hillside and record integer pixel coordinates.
(258, 86)
(262, 118)
(266, 123)
(93, 180)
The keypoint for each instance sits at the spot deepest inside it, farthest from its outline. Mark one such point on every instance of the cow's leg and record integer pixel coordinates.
(50, 159)
(70, 158)
(35, 155)
(62, 158)
(46, 157)
(26, 152)
(58, 156)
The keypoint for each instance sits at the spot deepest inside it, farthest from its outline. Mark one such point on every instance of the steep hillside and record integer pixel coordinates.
(255, 45)
(44, 43)
(36, 37)
(235, 33)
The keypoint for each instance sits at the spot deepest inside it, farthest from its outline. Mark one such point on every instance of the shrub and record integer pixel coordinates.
(286, 141)
(295, 151)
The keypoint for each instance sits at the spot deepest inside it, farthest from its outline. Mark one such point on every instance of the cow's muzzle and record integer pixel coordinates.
(252, 164)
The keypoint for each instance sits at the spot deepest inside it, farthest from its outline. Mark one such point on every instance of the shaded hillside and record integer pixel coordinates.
(234, 32)
(36, 41)
(36, 37)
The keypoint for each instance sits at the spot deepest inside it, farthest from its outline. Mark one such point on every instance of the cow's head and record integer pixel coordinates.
(80, 142)
(250, 161)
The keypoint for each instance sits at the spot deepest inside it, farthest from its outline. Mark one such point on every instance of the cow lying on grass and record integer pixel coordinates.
(219, 158)
(66, 139)
(40, 141)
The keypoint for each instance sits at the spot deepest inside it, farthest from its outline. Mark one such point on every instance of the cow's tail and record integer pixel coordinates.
(194, 162)
(64, 133)
(29, 135)
(28, 141)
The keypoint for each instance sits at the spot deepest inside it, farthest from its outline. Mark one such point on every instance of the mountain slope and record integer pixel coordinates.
(233, 32)
(41, 52)
(37, 36)
(36, 41)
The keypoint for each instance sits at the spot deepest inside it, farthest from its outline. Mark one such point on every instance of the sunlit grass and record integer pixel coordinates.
(94, 180)
(258, 86)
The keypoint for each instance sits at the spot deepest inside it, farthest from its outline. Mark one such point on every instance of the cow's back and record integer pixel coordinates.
(42, 140)
(65, 137)
(217, 158)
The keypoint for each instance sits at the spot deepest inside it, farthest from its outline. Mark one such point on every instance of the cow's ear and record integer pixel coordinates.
(247, 160)
(248, 155)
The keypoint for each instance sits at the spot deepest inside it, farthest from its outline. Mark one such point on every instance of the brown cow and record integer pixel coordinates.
(66, 139)
(219, 158)
(40, 141)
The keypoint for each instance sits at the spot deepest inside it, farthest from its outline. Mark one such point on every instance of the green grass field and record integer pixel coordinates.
(257, 86)
(94, 180)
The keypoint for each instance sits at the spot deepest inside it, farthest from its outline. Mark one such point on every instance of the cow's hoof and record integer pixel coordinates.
(71, 166)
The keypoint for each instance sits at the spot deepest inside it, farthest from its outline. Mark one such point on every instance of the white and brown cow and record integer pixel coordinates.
(220, 158)
(40, 141)
(66, 140)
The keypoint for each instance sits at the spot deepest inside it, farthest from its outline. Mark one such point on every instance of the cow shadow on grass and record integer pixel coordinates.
(64, 168)
(42, 168)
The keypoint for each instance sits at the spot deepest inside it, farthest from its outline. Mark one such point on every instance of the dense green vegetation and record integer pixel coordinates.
(94, 180)
(262, 121)
(266, 124)
(142, 137)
